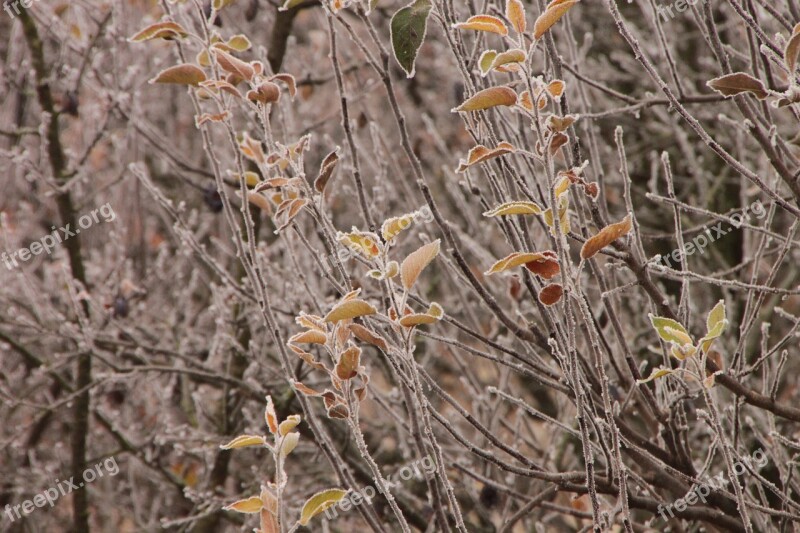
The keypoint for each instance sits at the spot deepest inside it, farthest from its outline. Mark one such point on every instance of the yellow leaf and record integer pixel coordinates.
(417, 319)
(515, 55)
(515, 208)
(606, 236)
(364, 243)
(552, 14)
(483, 23)
(480, 154)
(518, 259)
(415, 263)
(393, 226)
(657, 373)
(243, 441)
(289, 443)
(350, 309)
(556, 88)
(515, 13)
(249, 506)
(486, 60)
(186, 74)
(240, 43)
(488, 98)
(319, 502)
(289, 424)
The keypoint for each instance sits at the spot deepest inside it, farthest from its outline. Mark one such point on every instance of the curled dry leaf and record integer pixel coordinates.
(186, 74)
(350, 309)
(251, 149)
(326, 170)
(289, 80)
(552, 14)
(515, 13)
(486, 23)
(221, 85)
(349, 361)
(606, 236)
(161, 30)
(515, 208)
(737, 83)
(265, 93)
(480, 153)
(292, 210)
(488, 98)
(551, 294)
(415, 263)
(260, 201)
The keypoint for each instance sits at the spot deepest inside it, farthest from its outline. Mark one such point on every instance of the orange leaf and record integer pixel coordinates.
(515, 12)
(350, 309)
(483, 23)
(606, 236)
(487, 98)
(552, 14)
(250, 505)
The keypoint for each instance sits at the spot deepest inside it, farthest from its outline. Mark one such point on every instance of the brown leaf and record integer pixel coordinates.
(415, 263)
(606, 236)
(546, 267)
(366, 335)
(791, 53)
(551, 294)
(288, 79)
(233, 65)
(543, 262)
(186, 74)
(737, 83)
(488, 98)
(480, 153)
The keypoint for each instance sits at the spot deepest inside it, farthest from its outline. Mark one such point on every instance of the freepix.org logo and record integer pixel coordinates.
(51, 495)
(47, 243)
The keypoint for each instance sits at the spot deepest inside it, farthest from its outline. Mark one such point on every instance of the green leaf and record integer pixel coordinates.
(670, 330)
(408, 29)
(319, 502)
